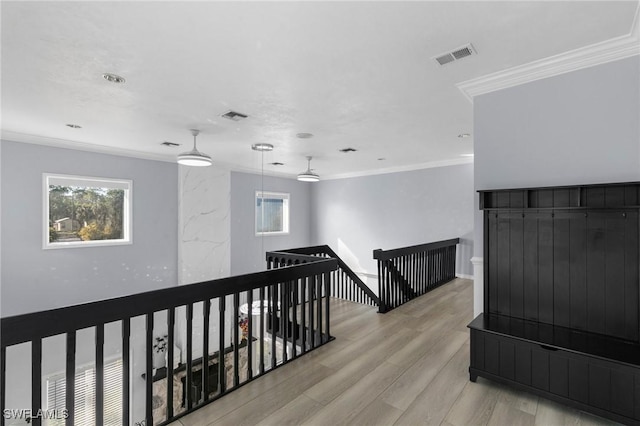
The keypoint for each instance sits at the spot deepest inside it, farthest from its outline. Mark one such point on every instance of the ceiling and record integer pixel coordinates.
(356, 75)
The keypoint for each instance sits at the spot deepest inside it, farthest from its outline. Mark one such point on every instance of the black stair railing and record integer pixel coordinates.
(408, 272)
(289, 295)
(345, 283)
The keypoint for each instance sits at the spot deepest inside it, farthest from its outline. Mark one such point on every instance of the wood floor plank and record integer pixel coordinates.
(255, 410)
(433, 404)
(419, 375)
(378, 413)
(505, 413)
(338, 382)
(474, 406)
(246, 393)
(294, 413)
(341, 411)
(421, 343)
(359, 346)
(523, 401)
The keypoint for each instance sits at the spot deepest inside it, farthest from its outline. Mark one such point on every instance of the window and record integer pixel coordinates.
(84, 211)
(85, 395)
(272, 213)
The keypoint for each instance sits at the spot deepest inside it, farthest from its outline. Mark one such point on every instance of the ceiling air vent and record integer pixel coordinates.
(167, 143)
(346, 150)
(456, 54)
(233, 115)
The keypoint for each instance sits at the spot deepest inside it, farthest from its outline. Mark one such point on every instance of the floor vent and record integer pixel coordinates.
(456, 55)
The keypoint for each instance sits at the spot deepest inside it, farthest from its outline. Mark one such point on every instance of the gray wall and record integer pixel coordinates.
(576, 128)
(247, 254)
(357, 215)
(34, 279)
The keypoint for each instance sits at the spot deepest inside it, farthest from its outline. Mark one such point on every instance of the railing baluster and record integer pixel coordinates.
(424, 272)
(171, 322)
(284, 319)
(303, 315)
(126, 386)
(148, 370)
(70, 372)
(295, 330)
(312, 297)
(206, 315)
(36, 380)
(273, 315)
(327, 307)
(222, 371)
(189, 374)
(249, 334)
(236, 340)
(319, 310)
(262, 326)
(99, 374)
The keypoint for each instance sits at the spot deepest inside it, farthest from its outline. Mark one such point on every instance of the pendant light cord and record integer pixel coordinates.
(262, 205)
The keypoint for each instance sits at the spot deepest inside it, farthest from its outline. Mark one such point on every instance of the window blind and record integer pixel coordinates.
(85, 398)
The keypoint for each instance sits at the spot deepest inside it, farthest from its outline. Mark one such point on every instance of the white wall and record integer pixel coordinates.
(34, 279)
(248, 249)
(577, 128)
(358, 215)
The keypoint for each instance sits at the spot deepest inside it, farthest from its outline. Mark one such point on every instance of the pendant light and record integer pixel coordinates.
(194, 157)
(308, 175)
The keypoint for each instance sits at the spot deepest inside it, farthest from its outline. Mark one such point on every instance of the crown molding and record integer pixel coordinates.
(17, 137)
(399, 169)
(10, 136)
(599, 53)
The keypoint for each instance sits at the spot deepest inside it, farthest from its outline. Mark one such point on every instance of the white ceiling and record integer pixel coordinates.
(355, 74)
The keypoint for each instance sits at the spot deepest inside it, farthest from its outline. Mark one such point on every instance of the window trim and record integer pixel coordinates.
(286, 223)
(127, 217)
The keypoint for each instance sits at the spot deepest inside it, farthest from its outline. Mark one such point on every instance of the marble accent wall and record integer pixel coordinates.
(204, 241)
(204, 233)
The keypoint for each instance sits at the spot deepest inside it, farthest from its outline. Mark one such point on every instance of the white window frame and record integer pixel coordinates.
(94, 182)
(286, 198)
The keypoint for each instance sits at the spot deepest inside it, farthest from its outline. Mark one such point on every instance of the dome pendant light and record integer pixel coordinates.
(194, 157)
(308, 175)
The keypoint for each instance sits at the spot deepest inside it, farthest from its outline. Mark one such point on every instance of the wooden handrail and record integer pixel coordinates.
(310, 254)
(25, 327)
(380, 254)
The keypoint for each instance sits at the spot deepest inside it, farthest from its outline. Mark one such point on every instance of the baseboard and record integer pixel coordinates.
(465, 276)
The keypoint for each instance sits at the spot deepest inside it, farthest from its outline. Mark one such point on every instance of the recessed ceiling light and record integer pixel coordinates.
(345, 150)
(73, 126)
(464, 135)
(113, 78)
(262, 147)
(304, 135)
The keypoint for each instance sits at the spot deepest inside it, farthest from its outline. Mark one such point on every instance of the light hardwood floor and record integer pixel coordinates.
(406, 367)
